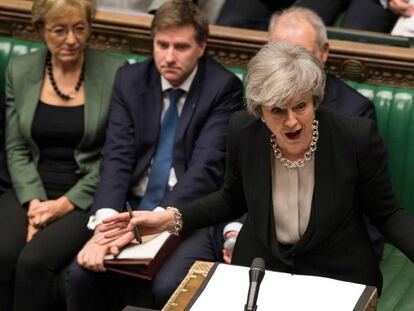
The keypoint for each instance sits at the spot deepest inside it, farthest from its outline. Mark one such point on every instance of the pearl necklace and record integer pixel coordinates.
(49, 70)
(308, 154)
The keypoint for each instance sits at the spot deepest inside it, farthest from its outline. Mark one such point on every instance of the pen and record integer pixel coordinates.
(136, 232)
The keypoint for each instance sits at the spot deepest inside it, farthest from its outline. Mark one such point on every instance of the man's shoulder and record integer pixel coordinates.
(213, 67)
(215, 78)
(343, 123)
(139, 68)
(343, 90)
(342, 98)
(142, 74)
(243, 120)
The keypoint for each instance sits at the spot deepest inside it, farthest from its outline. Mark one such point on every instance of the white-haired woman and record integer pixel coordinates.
(303, 174)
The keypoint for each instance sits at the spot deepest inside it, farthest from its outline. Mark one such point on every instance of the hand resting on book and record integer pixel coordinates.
(118, 229)
(92, 254)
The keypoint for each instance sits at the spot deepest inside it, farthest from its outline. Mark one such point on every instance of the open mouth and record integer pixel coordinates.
(293, 135)
(71, 51)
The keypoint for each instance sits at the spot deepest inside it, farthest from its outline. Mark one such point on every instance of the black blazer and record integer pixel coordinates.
(342, 98)
(351, 177)
(134, 125)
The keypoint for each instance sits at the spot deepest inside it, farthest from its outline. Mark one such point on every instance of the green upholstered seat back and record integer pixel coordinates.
(130, 58)
(11, 46)
(395, 113)
(395, 116)
(398, 286)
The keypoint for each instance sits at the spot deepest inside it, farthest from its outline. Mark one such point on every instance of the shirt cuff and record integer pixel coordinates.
(384, 3)
(232, 226)
(101, 214)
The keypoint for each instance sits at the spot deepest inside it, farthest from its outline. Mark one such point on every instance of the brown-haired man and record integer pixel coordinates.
(135, 153)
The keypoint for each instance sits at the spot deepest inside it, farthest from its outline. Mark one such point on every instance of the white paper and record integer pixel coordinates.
(404, 26)
(228, 287)
(146, 250)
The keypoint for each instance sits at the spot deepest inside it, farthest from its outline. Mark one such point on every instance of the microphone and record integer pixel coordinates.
(256, 274)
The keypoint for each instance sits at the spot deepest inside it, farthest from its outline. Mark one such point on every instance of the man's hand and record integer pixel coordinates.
(401, 7)
(41, 213)
(93, 252)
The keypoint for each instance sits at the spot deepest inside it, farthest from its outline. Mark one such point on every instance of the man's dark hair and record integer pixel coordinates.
(178, 13)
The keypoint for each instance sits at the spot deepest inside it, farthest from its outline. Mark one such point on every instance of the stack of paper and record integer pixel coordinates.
(404, 26)
(228, 287)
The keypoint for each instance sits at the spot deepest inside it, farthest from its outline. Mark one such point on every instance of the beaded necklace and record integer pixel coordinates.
(49, 70)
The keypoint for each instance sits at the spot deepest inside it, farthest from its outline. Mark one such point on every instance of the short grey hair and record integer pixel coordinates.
(281, 71)
(301, 14)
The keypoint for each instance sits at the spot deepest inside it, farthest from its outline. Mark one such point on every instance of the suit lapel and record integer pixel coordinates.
(31, 92)
(150, 103)
(323, 204)
(330, 98)
(261, 185)
(191, 101)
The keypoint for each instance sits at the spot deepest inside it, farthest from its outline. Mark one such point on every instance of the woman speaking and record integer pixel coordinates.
(303, 174)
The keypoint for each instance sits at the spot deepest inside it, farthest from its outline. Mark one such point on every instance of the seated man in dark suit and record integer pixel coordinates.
(4, 175)
(303, 27)
(165, 144)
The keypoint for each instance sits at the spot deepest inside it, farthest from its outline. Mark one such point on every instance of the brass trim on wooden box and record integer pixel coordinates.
(188, 286)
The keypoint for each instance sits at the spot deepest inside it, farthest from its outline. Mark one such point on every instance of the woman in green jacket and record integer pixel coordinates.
(57, 102)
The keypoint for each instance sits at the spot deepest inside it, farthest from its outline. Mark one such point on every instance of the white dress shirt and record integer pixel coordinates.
(292, 192)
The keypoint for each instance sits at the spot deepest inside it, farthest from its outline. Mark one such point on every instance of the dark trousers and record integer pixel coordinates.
(249, 13)
(328, 10)
(369, 15)
(112, 291)
(358, 14)
(29, 271)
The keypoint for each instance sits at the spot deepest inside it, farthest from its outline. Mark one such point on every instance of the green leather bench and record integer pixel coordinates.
(395, 114)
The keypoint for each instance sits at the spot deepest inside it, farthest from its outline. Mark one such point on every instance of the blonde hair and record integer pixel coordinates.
(42, 10)
(279, 72)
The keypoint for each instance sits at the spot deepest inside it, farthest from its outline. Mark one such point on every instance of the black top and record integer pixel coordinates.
(57, 131)
(4, 175)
